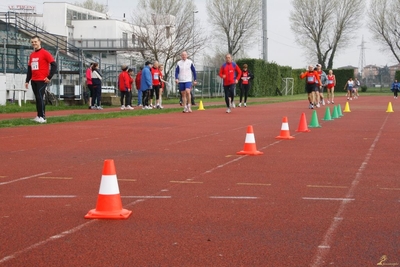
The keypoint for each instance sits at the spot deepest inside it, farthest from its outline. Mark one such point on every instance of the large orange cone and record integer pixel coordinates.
(285, 134)
(250, 144)
(109, 204)
(303, 124)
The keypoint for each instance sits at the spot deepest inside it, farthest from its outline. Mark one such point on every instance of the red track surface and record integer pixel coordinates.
(329, 197)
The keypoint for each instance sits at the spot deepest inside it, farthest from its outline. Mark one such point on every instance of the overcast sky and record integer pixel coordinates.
(282, 47)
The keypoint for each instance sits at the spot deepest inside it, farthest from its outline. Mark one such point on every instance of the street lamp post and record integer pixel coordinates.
(194, 12)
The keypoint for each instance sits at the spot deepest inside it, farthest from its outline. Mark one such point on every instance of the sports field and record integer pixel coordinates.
(328, 197)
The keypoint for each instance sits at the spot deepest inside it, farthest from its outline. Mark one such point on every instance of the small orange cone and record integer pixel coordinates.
(285, 134)
(250, 144)
(109, 204)
(303, 124)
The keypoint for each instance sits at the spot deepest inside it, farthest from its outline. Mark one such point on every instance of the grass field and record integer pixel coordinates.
(212, 103)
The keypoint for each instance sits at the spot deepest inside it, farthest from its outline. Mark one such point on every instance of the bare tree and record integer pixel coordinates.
(92, 5)
(165, 28)
(384, 24)
(235, 22)
(323, 28)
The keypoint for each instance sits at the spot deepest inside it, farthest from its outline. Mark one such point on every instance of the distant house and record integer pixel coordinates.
(393, 69)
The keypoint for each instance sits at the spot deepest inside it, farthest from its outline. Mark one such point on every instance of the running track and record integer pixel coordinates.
(330, 197)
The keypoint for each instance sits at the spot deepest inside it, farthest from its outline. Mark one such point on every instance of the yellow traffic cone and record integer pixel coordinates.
(201, 107)
(347, 107)
(389, 108)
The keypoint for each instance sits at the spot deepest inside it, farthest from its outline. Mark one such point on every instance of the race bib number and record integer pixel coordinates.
(35, 65)
(156, 76)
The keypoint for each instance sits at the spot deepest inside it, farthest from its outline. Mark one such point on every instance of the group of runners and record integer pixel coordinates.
(317, 81)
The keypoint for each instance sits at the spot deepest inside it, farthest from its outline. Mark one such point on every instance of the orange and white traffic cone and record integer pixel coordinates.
(109, 204)
(285, 134)
(303, 124)
(250, 144)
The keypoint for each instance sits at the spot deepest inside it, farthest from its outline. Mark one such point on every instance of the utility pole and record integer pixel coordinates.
(265, 31)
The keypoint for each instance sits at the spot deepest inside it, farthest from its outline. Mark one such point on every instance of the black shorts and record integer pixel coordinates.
(310, 87)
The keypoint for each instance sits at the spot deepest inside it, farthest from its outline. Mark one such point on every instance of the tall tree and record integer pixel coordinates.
(323, 28)
(92, 5)
(166, 28)
(235, 22)
(384, 24)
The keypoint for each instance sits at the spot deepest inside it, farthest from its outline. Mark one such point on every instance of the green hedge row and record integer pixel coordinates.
(268, 77)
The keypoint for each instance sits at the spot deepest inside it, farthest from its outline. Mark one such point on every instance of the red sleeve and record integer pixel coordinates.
(221, 71)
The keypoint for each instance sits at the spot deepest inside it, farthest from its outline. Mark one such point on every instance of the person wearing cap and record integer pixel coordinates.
(185, 74)
(146, 84)
(312, 78)
(244, 83)
(125, 88)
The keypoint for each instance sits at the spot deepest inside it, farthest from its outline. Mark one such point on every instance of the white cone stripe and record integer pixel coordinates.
(285, 126)
(109, 185)
(250, 138)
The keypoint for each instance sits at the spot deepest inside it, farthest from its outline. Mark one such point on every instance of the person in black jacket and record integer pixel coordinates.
(245, 83)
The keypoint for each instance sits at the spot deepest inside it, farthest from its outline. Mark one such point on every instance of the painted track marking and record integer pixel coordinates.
(391, 189)
(253, 184)
(185, 182)
(232, 197)
(147, 197)
(55, 178)
(24, 178)
(48, 196)
(322, 250)
(326, 186)
(329, 198)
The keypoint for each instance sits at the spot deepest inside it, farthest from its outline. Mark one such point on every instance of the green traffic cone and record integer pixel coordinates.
(340, 111)
(327, 115)
(314, 120)
(335, 114)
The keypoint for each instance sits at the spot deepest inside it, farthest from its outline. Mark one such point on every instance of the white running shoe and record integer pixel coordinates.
(233, 105)
(129, 107)
(318, 105)
(228, 110)
(36, 119)
(245, 105)
(323, 102)
(41, 120)
(99, 108)
(189, 110)
(240, 104)
(329, 102)
(333, 102)
(122, 107)
(185, 109)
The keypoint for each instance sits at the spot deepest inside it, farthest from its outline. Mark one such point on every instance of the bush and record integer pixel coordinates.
(364, 88)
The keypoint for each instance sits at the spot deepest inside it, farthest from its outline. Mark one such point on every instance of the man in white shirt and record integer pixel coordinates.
(185, 73)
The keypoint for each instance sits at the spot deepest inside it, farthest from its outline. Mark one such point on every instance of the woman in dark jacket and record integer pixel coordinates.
(96, 83)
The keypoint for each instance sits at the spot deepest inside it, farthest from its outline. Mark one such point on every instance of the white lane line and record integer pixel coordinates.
(253, 184)
(24, 178)
(56, 178)
(48, 196)
(327, 186)
(147, 197)
(231, 197)
(185, 182)
(322, 251)
(329, 198)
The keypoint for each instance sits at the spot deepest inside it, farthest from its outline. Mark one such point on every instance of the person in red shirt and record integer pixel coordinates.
(161, 68)
(230, 74)
(89, 83)
(41, 68)
(155, 74)
(137, 82)
(131, 74)
(312, 80)
(247, 76)
(125, 88)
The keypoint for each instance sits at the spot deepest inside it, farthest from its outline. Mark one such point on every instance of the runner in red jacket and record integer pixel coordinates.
(230, 74)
